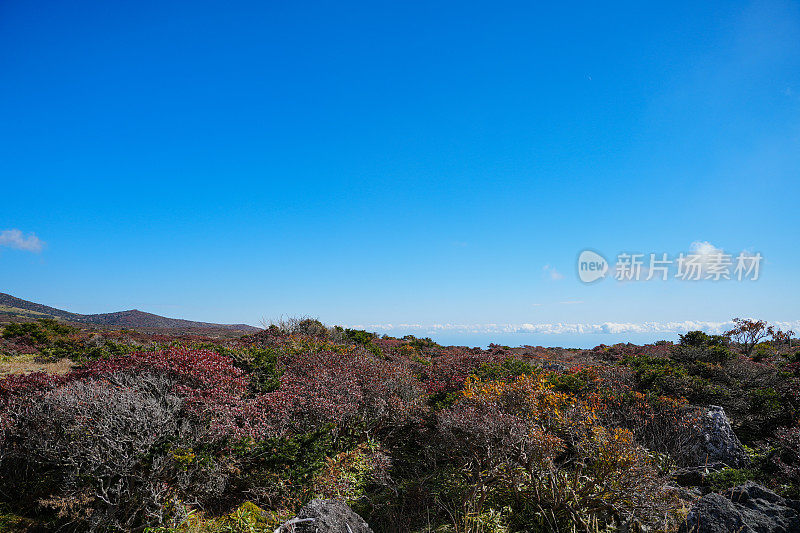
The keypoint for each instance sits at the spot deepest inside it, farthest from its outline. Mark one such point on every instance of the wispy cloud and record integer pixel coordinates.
(552, 272)
(560, 328)
(705, 249)
(571, 302)
(13, 238)
(706, 257)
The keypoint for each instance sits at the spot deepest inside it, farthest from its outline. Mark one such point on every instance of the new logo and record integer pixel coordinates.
(591, 266)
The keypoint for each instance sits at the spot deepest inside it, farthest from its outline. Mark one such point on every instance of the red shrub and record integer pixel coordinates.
(345, 390)
(449, 370)
(201, 369)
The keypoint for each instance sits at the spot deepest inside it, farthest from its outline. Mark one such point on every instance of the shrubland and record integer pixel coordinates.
(198, 434)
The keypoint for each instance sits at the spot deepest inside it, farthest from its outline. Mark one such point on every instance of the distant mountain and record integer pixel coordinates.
(11, 305)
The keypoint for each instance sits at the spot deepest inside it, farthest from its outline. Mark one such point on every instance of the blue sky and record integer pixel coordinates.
(436, 165)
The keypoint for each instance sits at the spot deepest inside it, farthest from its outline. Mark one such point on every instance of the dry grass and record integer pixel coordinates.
(22, 364)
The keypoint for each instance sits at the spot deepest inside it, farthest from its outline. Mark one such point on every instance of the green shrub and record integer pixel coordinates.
(12, 523)
(27, 329)
(573, 382)
(282, 468)
(265, 373)
(729, 477)
(698, 346)
(358, 336)
(247, 518)
(657, 374)
(508, 368)
(311, 327)
(55, 341)
(762, 350)
(262, 366)
(346, 475)
(420, 344)
(374, 349)
(43, 331)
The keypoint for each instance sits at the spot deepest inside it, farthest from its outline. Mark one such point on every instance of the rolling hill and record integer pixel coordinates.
(14, 307)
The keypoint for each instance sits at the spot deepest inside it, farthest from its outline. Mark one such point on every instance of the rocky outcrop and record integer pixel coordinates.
(553, 366)
(749, 508)
(718, 444)
(325, 516)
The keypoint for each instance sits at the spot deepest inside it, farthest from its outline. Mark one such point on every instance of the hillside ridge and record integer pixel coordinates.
(132, 318)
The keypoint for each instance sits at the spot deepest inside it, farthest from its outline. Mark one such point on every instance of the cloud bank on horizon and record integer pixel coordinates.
(561, 328)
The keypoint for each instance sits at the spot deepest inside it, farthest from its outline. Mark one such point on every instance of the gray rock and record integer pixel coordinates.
(325, 516)
(718, 444)
(689, 494)
(748, 508)
(553, 366)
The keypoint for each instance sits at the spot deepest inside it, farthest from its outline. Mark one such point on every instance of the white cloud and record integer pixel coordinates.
(13, 238)
(552, 272)
(560, 328)
(707, 255)
(705, 249)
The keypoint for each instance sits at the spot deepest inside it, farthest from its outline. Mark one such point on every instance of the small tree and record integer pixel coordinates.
(748, 333)
(698, 346)
(782, 337)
